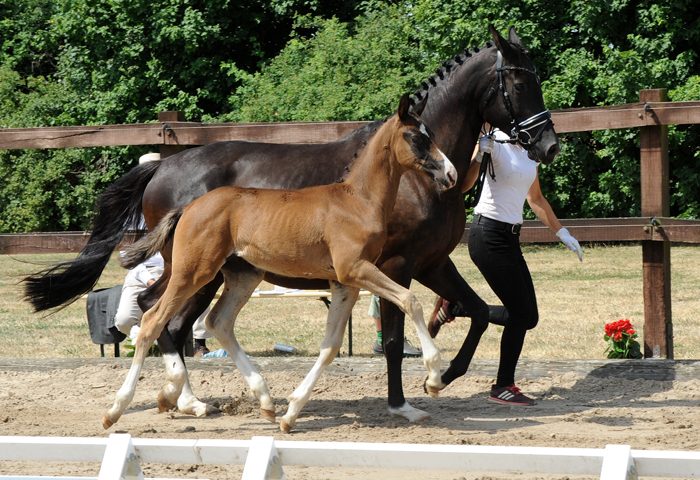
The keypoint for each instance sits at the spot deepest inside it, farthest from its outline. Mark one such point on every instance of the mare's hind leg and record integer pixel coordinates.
(448, 283)
(342, 300)
(239, 286)
(178, 389)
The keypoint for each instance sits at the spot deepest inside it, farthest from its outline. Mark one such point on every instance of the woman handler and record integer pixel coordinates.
(494, 247)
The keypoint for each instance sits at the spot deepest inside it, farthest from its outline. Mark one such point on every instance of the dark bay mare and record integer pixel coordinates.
(331, 232)
(495, 84)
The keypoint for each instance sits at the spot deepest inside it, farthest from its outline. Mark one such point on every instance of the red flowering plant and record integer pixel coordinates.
(621, 338)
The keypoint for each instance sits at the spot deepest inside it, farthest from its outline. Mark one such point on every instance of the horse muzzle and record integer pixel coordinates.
(449, 174)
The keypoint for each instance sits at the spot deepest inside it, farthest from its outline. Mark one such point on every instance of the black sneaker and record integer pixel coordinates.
(409, 350)
(510, 395)
(441, 315)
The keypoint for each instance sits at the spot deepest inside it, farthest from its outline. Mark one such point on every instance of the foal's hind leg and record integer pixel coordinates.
(342, 300)
(152, 324)
(239, 286)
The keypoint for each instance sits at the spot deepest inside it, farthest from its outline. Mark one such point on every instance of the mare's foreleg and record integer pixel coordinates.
(365, 274)
(343, 298)
(448, 283)
(400, 270)
(239, 285)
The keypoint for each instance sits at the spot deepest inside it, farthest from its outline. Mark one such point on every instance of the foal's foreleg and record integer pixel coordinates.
(343, 298)
(368, 276)
(238, 288)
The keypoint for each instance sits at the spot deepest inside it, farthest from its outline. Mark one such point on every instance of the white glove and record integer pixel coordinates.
(570, 242)
(486, 144)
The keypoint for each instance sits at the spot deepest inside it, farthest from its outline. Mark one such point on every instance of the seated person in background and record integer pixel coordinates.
(129, 313)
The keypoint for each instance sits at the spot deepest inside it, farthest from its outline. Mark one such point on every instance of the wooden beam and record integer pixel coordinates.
(631, 115)
(658, 329)
(88, 136)
(181, 133)
(50, 242)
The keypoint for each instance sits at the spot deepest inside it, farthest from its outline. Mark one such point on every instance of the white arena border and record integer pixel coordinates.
(264, 458)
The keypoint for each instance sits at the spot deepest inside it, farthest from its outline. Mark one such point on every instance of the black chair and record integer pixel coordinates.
(102, 306)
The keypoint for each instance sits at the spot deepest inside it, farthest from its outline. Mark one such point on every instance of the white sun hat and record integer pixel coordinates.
(149, 157)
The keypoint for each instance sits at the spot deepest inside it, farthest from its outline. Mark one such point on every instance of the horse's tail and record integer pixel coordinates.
(152, 243)
(118, 209)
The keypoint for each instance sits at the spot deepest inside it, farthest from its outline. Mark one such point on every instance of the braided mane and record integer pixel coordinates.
(443, 72)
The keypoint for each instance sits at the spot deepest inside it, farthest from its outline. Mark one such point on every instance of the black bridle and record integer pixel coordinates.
(520, 132)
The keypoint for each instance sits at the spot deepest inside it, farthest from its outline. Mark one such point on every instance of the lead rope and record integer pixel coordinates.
(474, 194)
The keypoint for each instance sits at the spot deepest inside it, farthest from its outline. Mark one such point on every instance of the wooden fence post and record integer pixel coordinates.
(171, 116)
(658, 329)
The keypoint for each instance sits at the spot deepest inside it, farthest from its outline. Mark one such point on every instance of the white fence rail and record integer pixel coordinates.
(121, 457)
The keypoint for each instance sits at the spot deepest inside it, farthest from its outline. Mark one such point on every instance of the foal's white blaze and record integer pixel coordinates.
(450, 170)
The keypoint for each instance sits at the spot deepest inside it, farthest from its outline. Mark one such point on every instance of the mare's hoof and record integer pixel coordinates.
(411, 414)
(106, 422)
(268, 415)
(285, 427)
(163, 404)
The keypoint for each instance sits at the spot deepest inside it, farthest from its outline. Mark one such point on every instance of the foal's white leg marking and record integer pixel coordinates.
(189, 404)
(343, 298)
(124, 395)
(238, 288)
(178, 390)
(176, 374)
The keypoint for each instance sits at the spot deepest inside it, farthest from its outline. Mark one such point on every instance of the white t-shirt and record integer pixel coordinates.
(503, 199)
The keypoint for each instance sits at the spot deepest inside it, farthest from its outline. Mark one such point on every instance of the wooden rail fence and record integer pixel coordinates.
(652, 114)
(264, 458)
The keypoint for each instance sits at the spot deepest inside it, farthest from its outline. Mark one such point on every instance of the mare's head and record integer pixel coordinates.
(514, 102)
(415, 148)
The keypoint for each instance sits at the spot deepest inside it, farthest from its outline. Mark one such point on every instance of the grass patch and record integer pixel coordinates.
(575, 301)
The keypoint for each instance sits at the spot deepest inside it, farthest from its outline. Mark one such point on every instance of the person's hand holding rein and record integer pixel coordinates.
(570, 242)
(485, 146)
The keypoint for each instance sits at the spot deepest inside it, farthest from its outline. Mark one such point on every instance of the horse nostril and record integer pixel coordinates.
(553, 150)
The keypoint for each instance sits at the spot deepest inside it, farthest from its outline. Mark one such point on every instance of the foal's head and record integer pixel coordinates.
(416, 150)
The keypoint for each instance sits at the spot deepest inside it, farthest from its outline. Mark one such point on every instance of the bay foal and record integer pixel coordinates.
(332, 232)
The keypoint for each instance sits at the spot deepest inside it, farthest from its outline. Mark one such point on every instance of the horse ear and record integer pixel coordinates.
(503, 45)
(418, 109)
(404, 105)
(513, 37)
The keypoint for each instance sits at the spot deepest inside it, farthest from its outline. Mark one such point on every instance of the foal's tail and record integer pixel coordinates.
(152, 243)
(118, 209)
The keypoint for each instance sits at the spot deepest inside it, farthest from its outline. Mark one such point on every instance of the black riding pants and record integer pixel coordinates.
(496, 253)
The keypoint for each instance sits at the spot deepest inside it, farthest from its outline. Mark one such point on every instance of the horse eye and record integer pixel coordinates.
(519, 87)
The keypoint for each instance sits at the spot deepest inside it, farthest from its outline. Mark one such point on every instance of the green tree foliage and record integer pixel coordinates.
(78, 62)
(87, 62)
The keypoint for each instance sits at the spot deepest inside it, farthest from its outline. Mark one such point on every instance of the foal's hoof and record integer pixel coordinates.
(164, 404)
(431, 390)
(268, 415)
(106, 422)
(285, 427)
